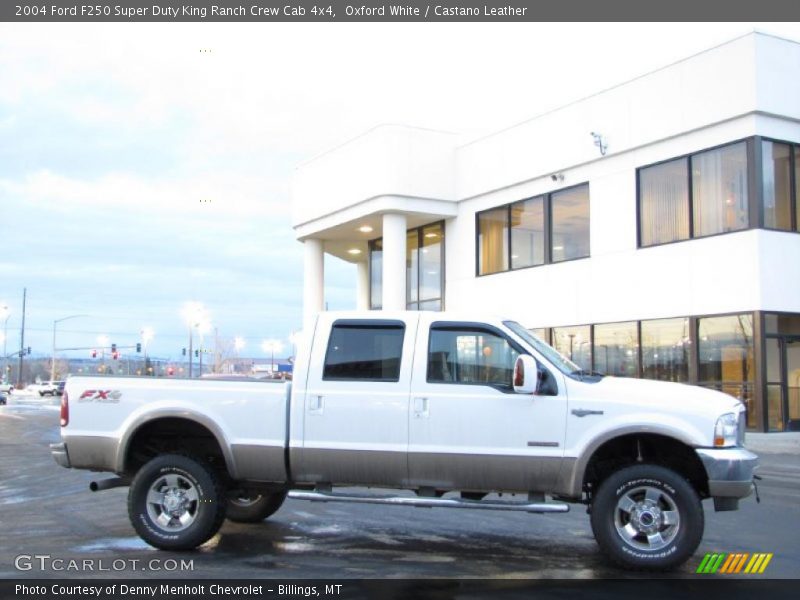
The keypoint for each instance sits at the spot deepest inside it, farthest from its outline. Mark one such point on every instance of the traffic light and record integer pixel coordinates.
(171, 370)
(113, 347)
(29, 349)
(115, 355)
(138, 347)
(184, 351)
(94, 353)
(196, 353)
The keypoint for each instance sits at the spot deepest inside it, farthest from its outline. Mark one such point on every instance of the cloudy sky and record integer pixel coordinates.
(138, 173)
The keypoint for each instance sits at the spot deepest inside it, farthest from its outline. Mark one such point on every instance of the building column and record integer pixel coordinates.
(313, 280)
(362, 286)
(394, 262)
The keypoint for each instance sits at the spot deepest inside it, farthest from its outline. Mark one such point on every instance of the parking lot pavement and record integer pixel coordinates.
(49, 511)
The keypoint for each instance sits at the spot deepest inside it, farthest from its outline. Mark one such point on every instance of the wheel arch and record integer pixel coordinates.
(644, 447)
(169, 423)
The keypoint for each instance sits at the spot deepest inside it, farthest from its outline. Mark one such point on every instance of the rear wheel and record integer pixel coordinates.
(176, 503)
(254, 508)
(647, 517)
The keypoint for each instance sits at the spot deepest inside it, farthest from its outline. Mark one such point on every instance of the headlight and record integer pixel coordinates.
(726, 431)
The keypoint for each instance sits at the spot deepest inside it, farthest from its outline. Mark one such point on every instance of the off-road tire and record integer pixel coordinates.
(182, 479)
(254, 509)
(644, 499)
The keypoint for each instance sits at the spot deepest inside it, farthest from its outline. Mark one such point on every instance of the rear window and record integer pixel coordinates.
(364, 351)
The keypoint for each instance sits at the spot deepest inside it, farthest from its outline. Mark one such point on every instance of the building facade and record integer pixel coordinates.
(650, 230)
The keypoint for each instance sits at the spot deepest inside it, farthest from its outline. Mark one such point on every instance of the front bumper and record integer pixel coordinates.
(60, 454)
(730, 471)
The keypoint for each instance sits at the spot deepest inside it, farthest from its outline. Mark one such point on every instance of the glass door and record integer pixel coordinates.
(791, 358)
(783, 383)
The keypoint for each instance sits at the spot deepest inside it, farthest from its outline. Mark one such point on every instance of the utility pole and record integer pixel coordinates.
(22, 338)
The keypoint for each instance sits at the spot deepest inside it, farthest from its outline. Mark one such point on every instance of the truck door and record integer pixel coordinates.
(468, 429)
(356, 402)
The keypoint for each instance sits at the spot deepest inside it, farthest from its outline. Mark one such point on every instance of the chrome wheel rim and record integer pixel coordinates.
(173, 502)
(647, 518)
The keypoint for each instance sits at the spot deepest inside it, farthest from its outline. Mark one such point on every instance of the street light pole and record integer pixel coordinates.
(5, 310)
(53, 361)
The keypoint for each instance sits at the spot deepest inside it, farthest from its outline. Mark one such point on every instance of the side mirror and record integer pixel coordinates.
(526, 375)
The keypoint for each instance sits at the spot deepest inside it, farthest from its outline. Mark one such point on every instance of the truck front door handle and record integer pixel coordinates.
(316, 404)
(420, 407)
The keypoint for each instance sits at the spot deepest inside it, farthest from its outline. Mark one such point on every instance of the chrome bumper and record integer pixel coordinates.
(60, 454)
(730, 471)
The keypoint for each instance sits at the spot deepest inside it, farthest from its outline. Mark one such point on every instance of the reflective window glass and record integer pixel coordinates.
(664, 202)
(364, 352)
(570, 231)
(665, 349)
(719, 190)
(527, 233)
(574, 343)
(776, 192)
(493, 241)
(470, 357)
(616, 349)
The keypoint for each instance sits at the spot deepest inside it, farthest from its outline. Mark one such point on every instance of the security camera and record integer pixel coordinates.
(554, 177)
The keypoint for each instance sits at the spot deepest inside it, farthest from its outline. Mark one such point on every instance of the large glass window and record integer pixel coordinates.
(376, 274)
(664, 202)
(719, 190)
(725, 355)
(616, 349)
(431, 266)
(570, 224)
(470, 356)
(365, 352)
(424, 268)
(493, 241)
(527, 233)
(777, 182)
(665, 349)
(575, 343)
(517, 235)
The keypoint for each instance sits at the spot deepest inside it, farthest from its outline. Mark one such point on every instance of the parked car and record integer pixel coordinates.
(3, 398)
(47, 388)
(453, 408)
(7, 387)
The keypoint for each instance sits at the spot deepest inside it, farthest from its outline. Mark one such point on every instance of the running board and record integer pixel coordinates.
(534, 507)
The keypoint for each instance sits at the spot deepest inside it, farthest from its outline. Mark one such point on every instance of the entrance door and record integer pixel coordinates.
(783, 383)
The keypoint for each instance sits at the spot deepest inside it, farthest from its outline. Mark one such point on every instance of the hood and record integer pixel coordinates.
(666, 396)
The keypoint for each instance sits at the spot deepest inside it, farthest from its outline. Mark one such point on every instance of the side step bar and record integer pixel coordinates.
(425, 502)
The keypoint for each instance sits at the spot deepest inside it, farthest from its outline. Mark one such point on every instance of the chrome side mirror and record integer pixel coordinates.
(526, 375)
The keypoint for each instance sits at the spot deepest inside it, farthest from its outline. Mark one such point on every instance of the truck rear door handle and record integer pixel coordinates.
(316, 404)
(420, 408)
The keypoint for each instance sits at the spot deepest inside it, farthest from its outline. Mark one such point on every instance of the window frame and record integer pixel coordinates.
(794, 192)
(755, 179)
(547, 209)
(365, 324)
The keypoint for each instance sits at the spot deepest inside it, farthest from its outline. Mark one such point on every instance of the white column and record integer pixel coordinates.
(362, 286)
(313, 279)
(394, 262)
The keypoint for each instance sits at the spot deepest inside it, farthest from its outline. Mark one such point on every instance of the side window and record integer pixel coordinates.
(364, 352)
(470, 356)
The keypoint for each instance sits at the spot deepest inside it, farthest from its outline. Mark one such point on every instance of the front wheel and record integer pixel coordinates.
(254, 508)
(647, 517)
(176, 502)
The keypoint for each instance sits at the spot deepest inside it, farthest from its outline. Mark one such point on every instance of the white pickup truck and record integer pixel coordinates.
(455, 409)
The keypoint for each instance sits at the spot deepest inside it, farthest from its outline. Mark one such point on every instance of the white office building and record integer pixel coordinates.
(650, 230)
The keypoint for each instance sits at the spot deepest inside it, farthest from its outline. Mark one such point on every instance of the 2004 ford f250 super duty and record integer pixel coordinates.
(451, 408)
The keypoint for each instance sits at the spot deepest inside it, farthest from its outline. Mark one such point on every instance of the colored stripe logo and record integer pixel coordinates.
(742, 562)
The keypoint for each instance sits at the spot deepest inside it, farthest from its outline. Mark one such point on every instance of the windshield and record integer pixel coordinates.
(562, 363)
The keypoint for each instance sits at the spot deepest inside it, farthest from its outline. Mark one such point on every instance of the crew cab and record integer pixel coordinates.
(454, 408)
